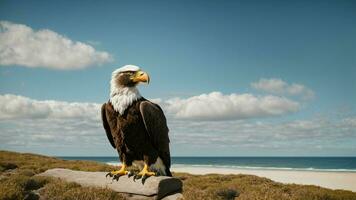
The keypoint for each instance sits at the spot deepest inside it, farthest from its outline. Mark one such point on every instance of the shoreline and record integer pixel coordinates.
(332, 180)
(250, 168)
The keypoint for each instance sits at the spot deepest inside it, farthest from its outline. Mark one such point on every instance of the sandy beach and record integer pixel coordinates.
(332, 180)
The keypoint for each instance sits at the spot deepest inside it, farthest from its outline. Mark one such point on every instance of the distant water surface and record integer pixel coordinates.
(342, 164)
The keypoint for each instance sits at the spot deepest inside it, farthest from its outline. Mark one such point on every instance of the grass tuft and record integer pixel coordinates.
(227, 194)
(61, 190)
(7, 165)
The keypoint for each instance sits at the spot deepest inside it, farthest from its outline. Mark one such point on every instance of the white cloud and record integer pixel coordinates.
(270, 85)
(14, 107)
(278, 86)
(21, 45)
(54, 127)
(216, 106)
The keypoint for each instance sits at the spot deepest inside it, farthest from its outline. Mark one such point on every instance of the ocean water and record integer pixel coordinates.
(341, 164)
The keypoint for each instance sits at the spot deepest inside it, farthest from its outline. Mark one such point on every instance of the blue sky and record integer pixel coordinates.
(194, 48)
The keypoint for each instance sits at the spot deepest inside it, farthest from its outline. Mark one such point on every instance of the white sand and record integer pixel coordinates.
(332, 180)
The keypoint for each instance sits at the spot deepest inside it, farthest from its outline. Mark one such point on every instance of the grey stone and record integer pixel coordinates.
(153, 187)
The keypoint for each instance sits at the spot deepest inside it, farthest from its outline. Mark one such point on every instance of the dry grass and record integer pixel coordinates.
(17, 182)
(76, 192)
(38, 163)
(249, 187)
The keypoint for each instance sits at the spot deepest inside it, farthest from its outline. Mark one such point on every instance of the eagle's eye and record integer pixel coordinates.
(125, 78)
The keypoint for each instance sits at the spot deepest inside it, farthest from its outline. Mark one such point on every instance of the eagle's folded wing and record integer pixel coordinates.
(156, 126)
(106, 115)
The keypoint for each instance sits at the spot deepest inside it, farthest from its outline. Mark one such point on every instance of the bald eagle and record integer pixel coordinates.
(135, 126)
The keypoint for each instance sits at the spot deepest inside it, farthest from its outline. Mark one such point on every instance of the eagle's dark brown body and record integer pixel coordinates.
(140, 133)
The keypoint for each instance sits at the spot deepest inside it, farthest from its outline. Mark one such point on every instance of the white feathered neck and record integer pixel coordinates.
(122, 97)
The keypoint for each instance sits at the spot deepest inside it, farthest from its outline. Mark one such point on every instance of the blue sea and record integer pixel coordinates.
(338, 164)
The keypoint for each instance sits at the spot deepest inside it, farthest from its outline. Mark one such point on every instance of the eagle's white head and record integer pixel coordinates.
(123, 91)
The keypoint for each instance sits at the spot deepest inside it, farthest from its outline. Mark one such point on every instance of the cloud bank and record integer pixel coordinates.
(278, 86)
(19, 107)
(217, 106)
(314, 136)
(55, 127)
(21, 45)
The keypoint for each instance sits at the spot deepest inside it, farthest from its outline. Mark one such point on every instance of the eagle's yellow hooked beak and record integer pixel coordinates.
(141, 76)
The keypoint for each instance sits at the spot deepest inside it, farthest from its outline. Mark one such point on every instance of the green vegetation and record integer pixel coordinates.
(17, 181)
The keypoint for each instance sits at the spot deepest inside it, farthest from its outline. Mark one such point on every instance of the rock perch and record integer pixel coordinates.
(161, 187)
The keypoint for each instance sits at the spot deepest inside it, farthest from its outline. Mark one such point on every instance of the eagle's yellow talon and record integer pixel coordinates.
(118, 173)
(145, 172)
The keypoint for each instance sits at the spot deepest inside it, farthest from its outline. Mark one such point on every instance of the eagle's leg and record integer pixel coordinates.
(116, 174)
(144, 173)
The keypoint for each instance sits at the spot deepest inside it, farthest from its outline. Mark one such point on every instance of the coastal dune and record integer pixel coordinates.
(332, 180)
